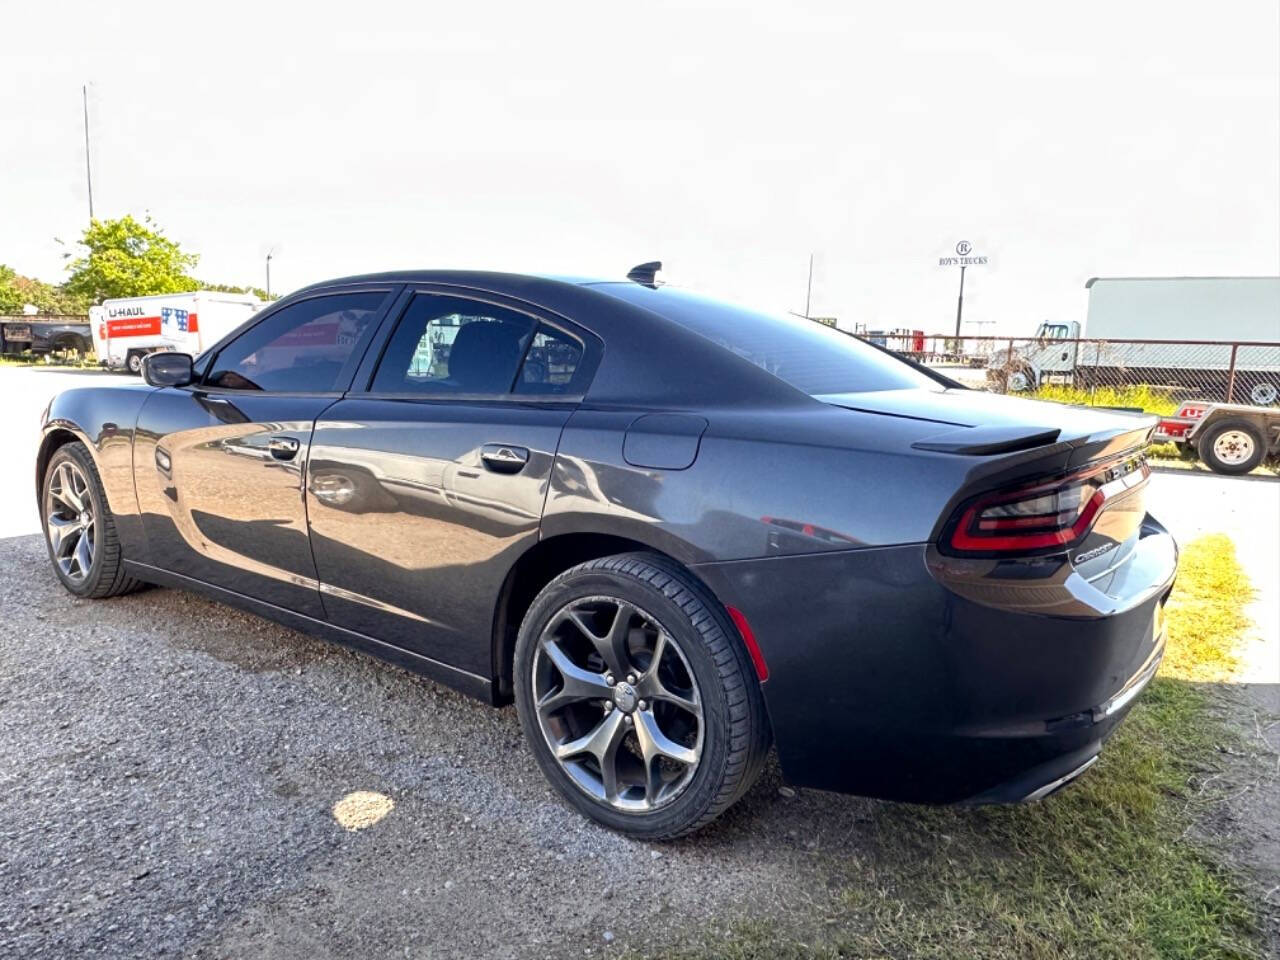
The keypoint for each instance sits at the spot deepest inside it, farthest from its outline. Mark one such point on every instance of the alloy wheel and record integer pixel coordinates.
(1233, 447)
(69, 521)
(618, 704)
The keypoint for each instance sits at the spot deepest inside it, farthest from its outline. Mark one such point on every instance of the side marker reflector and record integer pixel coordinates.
(749, 638)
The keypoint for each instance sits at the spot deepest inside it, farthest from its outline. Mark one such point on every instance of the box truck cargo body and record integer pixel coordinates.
(1216, 335)
(126, 330)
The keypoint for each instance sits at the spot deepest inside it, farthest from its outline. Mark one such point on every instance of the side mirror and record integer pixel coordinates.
(167, 369)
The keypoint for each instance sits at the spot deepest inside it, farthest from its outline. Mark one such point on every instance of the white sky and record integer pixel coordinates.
(1064, 141)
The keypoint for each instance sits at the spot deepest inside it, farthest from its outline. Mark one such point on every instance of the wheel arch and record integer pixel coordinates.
(55, 437)
(539, 565)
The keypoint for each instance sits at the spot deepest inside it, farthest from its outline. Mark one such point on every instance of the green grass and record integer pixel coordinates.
(1102, 870)
(1156, 400)
(31, 360)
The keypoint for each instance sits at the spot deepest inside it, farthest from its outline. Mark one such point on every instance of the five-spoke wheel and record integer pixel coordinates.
(637, 696)
(79, 527)
(617, 703)
(68, 519)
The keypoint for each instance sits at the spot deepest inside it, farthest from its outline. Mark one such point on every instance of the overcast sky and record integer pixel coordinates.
(1063, 141)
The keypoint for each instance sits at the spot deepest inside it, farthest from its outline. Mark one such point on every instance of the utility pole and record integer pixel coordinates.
(88, 167)
(960, 304)
(808, 290)
(269, 253)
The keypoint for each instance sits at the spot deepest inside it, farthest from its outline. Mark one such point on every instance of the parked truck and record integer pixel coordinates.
(126, 330)
(1216, 336)
(45, 334)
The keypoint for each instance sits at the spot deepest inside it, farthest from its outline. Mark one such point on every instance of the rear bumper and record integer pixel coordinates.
(886, 682)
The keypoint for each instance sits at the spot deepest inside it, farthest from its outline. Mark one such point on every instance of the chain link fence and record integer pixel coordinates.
(1153, 375)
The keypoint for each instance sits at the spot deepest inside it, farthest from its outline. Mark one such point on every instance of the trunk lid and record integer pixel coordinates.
(1009, 441)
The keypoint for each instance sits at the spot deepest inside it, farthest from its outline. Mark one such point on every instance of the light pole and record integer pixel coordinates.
(960, 304)
(269, 253)
(808, 290)
(88, 169)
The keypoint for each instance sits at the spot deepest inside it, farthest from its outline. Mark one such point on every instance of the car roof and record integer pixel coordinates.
(479, 278)
(649, 357)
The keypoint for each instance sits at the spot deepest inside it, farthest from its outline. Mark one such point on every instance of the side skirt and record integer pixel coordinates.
(473, 685)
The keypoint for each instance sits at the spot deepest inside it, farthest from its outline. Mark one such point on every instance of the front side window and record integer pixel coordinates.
(449, 345)
(301, 348)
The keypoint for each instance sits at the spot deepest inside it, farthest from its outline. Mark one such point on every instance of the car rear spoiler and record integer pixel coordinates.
(987, 441)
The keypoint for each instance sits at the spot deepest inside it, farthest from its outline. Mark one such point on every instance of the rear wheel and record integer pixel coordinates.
(134, 361)
(79, 527)
(1232, 446)
(638, 701)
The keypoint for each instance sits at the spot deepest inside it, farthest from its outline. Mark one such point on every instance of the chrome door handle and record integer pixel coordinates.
(283, 448)
(503, 457)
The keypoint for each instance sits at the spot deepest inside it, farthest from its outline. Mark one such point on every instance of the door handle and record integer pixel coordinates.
(283, 448)
(503, 457)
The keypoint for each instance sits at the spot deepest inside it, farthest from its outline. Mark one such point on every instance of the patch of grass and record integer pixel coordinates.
(1206, 612)
(1102, 870)
(1158, 400)
(32, 360)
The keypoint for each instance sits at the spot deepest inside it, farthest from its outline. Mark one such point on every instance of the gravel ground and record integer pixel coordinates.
(169, 769)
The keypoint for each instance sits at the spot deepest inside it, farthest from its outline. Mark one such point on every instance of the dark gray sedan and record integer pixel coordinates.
(672, 530)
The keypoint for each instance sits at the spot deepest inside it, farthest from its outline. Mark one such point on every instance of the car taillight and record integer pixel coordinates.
(1042, 517)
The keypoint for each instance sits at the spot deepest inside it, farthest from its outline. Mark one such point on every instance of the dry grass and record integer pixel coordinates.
(1206, 612)
(1102, 870)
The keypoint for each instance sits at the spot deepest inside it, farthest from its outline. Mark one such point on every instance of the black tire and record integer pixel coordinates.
(1206, 446)
(735, 735)
(133, 361)
(106, 576)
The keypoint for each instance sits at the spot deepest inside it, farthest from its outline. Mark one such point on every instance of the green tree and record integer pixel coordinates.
(16, 291)
(126, 258)
(231, 288)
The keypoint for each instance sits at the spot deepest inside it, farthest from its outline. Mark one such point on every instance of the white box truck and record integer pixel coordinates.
(1225, 310)
(126, 330)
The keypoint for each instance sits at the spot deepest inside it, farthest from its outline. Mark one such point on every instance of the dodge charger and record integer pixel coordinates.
(675, 532)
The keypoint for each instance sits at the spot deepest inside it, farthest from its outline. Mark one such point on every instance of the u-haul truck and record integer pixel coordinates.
(126, 330)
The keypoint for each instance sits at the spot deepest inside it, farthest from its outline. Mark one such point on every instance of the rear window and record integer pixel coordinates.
(808, 355)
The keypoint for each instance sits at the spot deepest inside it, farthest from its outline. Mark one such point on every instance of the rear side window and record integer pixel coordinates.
(450, 345)
(550, 364)
(302, 348)
(808, 355)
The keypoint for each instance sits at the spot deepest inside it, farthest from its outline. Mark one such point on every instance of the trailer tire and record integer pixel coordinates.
(1232, 446)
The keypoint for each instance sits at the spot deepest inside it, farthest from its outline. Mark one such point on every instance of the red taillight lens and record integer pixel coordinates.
(1044, 516)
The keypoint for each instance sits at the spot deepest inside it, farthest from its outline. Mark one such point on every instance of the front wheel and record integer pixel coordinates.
(637, 697)
(79, 528)
(1232, 446)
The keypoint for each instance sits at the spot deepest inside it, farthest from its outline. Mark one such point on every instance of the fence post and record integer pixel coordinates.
(1231, 374)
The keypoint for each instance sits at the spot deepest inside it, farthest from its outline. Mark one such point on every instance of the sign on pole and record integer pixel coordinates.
(964, 258)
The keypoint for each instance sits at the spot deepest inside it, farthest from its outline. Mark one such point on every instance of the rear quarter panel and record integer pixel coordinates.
(805, 479)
